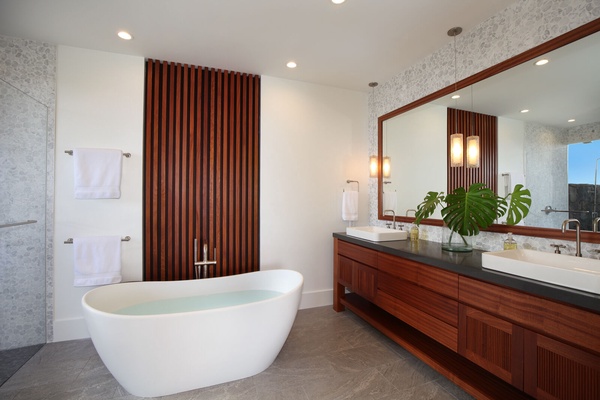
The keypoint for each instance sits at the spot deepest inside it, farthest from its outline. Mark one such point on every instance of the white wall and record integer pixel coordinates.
(412, 141)
(99, 104)
(313, 138)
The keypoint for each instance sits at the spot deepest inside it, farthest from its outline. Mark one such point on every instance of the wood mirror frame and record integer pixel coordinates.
(562, 40)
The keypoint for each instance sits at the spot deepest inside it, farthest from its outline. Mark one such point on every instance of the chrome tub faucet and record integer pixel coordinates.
(577, 234)
(205, 262)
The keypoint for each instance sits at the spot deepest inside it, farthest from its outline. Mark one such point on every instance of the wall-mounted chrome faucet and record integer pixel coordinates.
(393, 217)
(595, 224)
(577, 234)
(205, 262)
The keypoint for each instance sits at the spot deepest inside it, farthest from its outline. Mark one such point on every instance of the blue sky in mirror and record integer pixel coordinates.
(582, 161)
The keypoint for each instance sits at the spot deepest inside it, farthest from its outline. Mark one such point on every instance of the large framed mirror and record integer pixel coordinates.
(554, 149)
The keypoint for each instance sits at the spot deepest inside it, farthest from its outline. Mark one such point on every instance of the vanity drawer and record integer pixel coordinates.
(432, 278)
(357, 253)
(438, 330)
(436, 305)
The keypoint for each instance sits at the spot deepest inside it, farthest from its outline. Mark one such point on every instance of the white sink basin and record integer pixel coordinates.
(559, 269)
(376, 233)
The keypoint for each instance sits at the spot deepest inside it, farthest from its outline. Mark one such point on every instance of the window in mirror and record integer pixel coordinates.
(583, 178)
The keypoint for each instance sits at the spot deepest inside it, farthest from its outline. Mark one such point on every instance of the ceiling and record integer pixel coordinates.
(345, 46)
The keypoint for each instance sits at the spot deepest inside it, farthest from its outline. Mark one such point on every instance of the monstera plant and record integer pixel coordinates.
(466, 212)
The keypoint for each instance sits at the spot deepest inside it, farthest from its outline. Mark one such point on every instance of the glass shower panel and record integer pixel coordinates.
(23, 135)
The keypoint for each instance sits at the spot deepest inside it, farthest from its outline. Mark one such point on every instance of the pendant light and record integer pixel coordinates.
(456, 139)
(472, 142)
(373, 161)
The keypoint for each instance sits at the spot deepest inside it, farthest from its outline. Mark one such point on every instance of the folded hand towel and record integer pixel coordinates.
(350, 206)
(97, 260)
(97, 173)
(390, 200)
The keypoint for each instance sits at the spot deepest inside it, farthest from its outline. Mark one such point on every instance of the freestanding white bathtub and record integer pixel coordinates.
(161, 354)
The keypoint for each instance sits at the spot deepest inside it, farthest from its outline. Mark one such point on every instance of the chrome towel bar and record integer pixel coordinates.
(70, 152)
(123, 239)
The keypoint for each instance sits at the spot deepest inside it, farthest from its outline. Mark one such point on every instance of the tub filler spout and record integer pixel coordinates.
(205, 262)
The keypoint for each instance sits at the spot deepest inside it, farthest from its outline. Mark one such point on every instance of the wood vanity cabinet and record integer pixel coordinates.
(494, 341)
(356, 270)
(547, 349)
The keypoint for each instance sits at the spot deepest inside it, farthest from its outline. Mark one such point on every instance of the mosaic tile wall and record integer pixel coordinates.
(28, 93)
(523, 25)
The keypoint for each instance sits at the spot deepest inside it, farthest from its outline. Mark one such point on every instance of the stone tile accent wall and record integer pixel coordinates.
(28, 71)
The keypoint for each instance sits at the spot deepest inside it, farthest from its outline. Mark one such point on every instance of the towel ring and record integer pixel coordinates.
(357, 184)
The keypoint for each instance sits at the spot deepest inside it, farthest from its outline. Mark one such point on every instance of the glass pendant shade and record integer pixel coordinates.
(473, 152)
(373, 167)
(387, 167)
(456, 150)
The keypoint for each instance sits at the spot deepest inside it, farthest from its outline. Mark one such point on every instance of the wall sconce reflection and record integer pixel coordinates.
(472, 151)
(456, 150)
(387, 167)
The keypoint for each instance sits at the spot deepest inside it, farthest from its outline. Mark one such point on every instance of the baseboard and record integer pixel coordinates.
(317, 298)
(70, 329)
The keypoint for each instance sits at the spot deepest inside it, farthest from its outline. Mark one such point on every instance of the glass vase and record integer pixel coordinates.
(453, 241)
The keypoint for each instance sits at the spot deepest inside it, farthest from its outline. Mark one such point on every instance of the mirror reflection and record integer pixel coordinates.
(548, 117)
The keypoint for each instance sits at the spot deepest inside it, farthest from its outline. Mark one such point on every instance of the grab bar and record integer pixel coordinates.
(70, 152)
(123, 239)
(549, 209)
(29, 221)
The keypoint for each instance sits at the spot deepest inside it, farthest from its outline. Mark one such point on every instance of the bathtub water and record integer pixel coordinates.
(175, 350)
(197, 303)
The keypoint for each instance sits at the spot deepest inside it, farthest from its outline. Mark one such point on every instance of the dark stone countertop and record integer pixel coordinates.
(469, 264)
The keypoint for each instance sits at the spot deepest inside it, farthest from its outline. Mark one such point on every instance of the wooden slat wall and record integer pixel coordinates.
(201, 170)
(486, 127)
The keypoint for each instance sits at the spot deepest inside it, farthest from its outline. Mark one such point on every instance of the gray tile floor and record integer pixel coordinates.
(328, 355)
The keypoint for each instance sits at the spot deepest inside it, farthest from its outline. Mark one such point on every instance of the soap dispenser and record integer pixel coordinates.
(414, 232)
(510, 243)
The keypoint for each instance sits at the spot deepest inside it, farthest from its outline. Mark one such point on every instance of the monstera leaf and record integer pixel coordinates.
(467, 212)
(428, 206)
(520, 201)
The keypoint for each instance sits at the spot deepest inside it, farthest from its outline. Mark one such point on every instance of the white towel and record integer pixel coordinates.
(97, 173)
(350, 205)
(97, 260)
(390, 200)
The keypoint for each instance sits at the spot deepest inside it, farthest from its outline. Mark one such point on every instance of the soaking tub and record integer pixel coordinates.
(154, 343)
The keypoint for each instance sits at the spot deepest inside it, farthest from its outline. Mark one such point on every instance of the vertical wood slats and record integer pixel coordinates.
(474, 124)
(201, 170)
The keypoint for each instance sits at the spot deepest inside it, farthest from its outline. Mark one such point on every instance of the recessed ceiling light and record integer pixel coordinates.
(524, 111)
(543, 61)
(571, 120)
(456, 96)
(125, 35)
(291, 64)
(337, 1)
